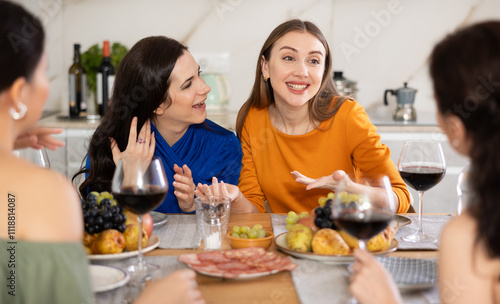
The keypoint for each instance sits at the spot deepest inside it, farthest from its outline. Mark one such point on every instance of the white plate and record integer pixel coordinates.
(153, 242)
(280, 242)
(240, 276)
(411, 274)
(158, 218)
(400, 221)
(105, 278)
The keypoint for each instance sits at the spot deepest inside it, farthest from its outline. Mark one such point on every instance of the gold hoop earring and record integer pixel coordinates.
(22, 111)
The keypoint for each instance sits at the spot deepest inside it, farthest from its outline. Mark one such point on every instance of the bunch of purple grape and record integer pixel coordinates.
(324, 217)
(101, 212)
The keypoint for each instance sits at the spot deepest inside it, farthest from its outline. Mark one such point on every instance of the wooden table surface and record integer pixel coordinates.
(276, 288)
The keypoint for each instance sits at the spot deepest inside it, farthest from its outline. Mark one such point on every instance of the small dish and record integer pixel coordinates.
(237, 243)
(281, 244)
(153, 242)
(411, 274)
(158, 218)
(400, 221)
(105, 278)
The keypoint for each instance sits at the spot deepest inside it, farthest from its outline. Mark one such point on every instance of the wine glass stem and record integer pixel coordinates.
(139, 255)
(420, 208)
(362, 245)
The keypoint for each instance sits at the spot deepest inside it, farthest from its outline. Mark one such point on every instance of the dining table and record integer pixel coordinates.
(282, 287)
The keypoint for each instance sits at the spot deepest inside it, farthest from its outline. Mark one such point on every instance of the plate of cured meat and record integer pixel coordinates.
(242, 263)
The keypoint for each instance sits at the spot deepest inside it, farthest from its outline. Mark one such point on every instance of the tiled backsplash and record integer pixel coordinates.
(378, 43)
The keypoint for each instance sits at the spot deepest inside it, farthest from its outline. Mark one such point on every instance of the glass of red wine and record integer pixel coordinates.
(140, 188)
(364, 209)
(422, 166)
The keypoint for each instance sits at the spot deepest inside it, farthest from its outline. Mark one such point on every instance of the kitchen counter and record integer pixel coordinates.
(384, 123)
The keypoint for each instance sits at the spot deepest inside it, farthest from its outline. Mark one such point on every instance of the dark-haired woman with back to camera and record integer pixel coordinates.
(465, 70)
(158, 109)
(42, 259)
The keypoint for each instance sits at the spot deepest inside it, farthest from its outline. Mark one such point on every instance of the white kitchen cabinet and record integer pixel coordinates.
(442, 197)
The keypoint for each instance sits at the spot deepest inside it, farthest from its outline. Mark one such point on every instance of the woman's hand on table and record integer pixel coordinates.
(370, 283)
(326, 182)
(139, 151)
(179, 287)
(184, 187)
(39, 138)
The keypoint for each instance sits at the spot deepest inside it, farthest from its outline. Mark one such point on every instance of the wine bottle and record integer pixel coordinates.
(77, 85)
(105, 79)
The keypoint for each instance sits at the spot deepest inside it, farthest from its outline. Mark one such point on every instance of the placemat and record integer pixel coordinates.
(318, 283)
(432, 225)
(168, 264)
(278, 221)
(179, 232)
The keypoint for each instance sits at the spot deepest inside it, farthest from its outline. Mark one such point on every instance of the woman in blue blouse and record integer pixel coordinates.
(158, 88)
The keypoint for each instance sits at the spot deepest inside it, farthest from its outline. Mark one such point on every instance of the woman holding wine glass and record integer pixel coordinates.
(465, 70)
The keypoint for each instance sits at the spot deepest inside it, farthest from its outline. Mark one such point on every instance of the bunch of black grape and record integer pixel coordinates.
(101, 212)
(324, 217)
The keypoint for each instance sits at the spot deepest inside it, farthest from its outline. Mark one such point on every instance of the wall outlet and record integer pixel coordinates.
(213, 63)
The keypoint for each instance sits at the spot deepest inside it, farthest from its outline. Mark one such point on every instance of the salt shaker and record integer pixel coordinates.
(212, 237)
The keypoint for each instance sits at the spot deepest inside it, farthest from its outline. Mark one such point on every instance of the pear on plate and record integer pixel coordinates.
(131, 235)
(109, 241)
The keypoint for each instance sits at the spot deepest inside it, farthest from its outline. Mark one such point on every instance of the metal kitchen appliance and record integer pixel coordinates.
(344, 86)
(405, 98)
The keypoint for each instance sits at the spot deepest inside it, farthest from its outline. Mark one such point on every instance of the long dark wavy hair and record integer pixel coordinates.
(141, 86)
(262, 92)
(21, 43)
(465, 69)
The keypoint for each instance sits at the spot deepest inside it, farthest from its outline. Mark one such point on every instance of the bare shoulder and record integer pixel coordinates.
(49, 202)
(466, 272)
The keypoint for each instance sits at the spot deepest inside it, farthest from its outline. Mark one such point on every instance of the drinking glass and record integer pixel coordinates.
(141, 189)
(364, 211)
(422, 166)
(37, 156)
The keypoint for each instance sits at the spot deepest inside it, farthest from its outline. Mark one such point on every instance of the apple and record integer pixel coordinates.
(131, 235)
(147, 223)
(108, 241)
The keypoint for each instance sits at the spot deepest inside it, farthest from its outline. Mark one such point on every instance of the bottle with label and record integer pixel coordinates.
(77, 85)
(105, 79)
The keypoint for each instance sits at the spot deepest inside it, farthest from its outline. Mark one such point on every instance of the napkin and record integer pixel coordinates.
(179, 232)
(320, 283)
(431, 224)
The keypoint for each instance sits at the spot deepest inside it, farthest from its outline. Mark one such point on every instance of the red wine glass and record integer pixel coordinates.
(141, 189)
(364, 209)
(422, 166)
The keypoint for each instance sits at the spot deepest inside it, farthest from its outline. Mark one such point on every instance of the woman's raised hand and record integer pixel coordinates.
(140, 148)
(327, 182)
(184, 187)
(39, 138)
(217, 189)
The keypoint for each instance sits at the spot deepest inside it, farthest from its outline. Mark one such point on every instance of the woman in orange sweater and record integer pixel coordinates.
(294, 120)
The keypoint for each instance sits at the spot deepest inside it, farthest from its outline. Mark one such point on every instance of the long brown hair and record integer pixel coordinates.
(141, 86)
(262, 96)
(465, 69)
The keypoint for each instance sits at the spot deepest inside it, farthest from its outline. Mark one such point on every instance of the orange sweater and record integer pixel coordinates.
(350, 144)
